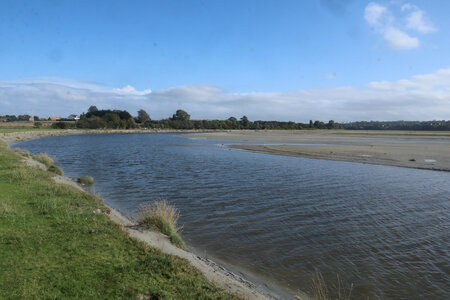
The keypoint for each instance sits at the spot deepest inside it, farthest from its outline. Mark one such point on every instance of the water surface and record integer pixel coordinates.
(280, 219)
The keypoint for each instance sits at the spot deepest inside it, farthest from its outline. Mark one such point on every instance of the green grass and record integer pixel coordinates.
(86, 180)
(22, 129)
(162, 216)
(54, 244)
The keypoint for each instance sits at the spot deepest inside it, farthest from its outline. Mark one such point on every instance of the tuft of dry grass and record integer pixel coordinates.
(43, 158)
(162, 216)
(22, 152)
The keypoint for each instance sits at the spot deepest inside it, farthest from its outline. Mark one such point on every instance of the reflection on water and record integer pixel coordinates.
(384, 229)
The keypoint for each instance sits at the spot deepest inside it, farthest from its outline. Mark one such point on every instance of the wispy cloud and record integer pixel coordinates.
(422, 97)
(416, 19)
(330, 76)
(382, 19)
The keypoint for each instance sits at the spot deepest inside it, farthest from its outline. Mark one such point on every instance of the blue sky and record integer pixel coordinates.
(285, 60)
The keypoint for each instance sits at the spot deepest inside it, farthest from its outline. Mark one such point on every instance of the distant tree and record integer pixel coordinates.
(311, 125)
(244, 121)
(181, 115)
(232, 119)
(36, 118)
(143, 116)
(92, 109)
(331, 124)
(319, 125)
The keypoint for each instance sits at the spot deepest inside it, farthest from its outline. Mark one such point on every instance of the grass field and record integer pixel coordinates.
(56, 242)
(21, 129)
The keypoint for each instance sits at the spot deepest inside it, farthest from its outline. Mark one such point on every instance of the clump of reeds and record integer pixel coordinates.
(22, 152)
(86, 180)
(320, 290)
(56, 170)
(162, 216)
(43, 158)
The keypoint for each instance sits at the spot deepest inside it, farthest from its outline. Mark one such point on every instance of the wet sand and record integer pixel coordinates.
(422, 150)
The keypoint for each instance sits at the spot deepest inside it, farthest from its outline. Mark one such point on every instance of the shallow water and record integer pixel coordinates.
(384, 229)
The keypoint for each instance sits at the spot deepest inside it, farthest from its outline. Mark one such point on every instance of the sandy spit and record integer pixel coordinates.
(417, 150)
(217, 274)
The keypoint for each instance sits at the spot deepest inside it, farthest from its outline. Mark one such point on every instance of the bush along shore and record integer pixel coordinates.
(58, 242)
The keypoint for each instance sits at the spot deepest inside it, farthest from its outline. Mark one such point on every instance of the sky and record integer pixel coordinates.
(339, 60)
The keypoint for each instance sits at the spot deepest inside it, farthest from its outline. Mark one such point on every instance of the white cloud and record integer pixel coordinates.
(373, 13)
(399, 40)
(395, 33)
(131, 90)
(422, 97)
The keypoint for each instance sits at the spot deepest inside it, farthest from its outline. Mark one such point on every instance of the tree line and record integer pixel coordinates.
(121, 119)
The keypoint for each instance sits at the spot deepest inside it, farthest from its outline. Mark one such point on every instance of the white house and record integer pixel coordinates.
(73, 117)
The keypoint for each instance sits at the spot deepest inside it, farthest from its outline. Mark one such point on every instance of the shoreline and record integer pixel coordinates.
(214, 272)
(219, 275)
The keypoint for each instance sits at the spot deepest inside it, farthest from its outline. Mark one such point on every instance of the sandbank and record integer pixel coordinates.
(422, 150)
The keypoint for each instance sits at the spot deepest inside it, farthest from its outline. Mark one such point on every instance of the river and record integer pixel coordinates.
(278, 219)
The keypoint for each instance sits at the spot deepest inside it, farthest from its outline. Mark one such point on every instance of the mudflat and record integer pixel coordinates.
(412, 149)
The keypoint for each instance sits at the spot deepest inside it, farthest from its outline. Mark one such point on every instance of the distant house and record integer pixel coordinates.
(54, 118)
(42, 119)
(4, 119)
(73, 117)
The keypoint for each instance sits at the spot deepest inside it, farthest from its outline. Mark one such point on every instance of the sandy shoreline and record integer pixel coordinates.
(214, 272)
(402, 150)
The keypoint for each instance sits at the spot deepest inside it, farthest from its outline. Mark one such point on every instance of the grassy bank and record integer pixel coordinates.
(58, 242)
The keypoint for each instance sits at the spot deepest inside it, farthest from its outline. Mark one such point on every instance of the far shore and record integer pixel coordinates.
(30, 134)
(421, 150)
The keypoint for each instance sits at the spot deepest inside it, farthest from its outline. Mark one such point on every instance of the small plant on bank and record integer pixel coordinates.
(162, 216)
(56, 170)
(22, 152)
(86, 180)
(43, 158)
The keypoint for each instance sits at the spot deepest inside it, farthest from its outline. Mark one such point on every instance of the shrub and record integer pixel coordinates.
(43, 158)
(62, 125)
(56, 170)
(162, 216)
(86, 180)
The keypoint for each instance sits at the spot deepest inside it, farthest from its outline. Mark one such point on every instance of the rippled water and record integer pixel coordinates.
(384, 229)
